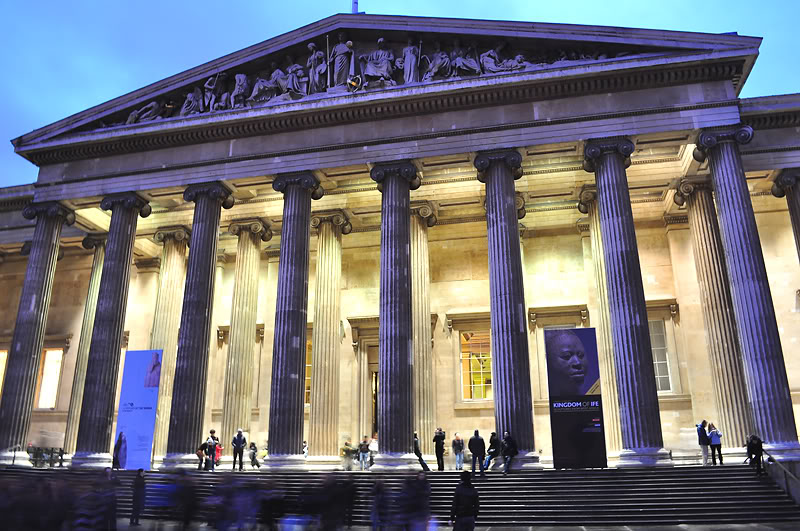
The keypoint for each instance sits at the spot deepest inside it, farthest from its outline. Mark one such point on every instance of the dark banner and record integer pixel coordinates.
(576, 409)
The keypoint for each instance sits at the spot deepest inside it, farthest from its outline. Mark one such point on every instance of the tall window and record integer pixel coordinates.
(308, 372)
(476, 366)
(658, 343)
(49, 376)
(3, 361)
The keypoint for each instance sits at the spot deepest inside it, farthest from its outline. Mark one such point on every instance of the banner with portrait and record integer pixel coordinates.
(138, 398)
(576, 408)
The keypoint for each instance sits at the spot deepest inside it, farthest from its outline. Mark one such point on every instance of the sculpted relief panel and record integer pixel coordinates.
(341, 66)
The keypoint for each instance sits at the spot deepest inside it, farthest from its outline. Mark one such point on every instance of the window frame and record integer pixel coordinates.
(459, 322)
(462, 359)
(666, 310)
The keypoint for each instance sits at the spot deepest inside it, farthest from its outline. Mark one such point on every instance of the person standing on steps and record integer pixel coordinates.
(755, 453)
(493, 451)
(703, 441)
(253, 450)
(458, 451)
(715, 440)
(418, 453)
(478, 449)
(466, 504)
(239, 442)
(438, 441)
(363, 453)
(509, 451)
(138, 497)
(211, 450)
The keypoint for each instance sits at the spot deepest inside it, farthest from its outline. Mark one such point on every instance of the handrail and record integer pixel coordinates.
(786, 472)
(14, 455)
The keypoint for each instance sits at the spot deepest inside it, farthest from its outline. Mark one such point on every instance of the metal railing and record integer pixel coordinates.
(13, 449)
(786, 474)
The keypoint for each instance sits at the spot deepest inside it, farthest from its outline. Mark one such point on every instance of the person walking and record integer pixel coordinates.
(211, 450)
(363, 453)
(466, 504)
(438, 441)
(138, 497)
(346, 453)
(703, 441)
(493, 451)
(239, 442)
(373, 449)
(458, 451)
(418, 453)
(477, 447)
(509, 451)
(253, 451)
(715, 441)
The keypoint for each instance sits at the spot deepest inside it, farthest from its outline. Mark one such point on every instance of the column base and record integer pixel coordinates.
(284, 462)
(788, 451)
(644, 457)
(328, 462)
(179, 461)
(15, 458)
(158, 462)
(396, 463)
(91, 460)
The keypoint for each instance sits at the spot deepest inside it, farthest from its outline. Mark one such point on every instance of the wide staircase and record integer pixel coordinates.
(692, 494)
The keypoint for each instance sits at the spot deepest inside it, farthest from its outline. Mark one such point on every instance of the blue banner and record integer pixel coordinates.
(133, 444)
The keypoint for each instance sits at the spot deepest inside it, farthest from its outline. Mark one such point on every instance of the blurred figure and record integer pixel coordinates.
(211, 450)
(253, 450)
(755, 453)
(438, 441)
(305, 449)
(415, 502)
(238, 443)
(363, 453)
(478, 450)
(271, 507)
(346, 453)
(458, 451)
(373, 449)
(493, 451)
(202, 451)
(380, 504)
(185, 499)
(138, 497)
(509, 452)
(346, 499)
(418, 453)
(466, 505)
(108, 488)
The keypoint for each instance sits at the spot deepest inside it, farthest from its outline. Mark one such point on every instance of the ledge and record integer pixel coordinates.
(466, 406)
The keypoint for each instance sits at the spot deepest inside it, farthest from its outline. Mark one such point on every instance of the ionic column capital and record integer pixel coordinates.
(426, 210)
(50, 209)
(178, 233)
(214, 189)
(586, 195)
(688, 185)
(708, 138)
(94, 240)
(401, 168)
(254, 225)
(598, 147)
(304, 179)
(127, 200)
(337, 218)
(788, 178)
(510, 157)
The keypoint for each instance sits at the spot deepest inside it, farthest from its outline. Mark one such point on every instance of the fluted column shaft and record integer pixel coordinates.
(395, 353)
(291, 309)
(99, 393)
(787, 185)
(727, 372)
(237, 403)
(25, 354)
(323, 421)
(640, 422)
(191, 363)
(98, 243)
(424, 405)
(166, 320)
(513, 404)
(768, 388)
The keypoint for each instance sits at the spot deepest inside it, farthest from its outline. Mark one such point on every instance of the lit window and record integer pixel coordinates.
(49, 376)
(658, 344)
(476, 366)
(3, 360)
(308, 372)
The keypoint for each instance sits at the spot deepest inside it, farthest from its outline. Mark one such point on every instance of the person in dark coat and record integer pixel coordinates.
(201, 454)
(509, 451)
(415, 500)
(703, 441)
(138, 497)
(478, 450)
(493, 451)
(238, 443)
(438, 441)
(466, 504)
(108, 487)
(418, 453)
(755, 453)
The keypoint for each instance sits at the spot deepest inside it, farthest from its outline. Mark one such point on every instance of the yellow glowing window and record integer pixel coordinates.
(3, 361)
(49, 376)
(476, 366)
(308, 372)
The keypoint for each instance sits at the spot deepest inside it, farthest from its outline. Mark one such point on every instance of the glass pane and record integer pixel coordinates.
(489, 394)
(662, 383)
(48, 389)
(3, 360)
(475, 364)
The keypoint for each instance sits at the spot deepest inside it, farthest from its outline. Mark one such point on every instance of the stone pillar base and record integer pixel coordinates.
(783, 451)
(284, 462)
(15, 458)
(525, 461)
(158, 462)
(644, 457)
(396, 463)
(176, 461)
(91, 460)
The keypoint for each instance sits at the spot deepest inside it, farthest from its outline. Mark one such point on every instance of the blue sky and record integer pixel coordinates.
(62, 57)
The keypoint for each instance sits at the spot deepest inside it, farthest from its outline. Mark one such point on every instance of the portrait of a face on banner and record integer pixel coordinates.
(576, 409)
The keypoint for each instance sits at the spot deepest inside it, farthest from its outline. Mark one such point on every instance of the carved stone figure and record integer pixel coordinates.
(290, 83)
(317, 70)
(492, 62)
(340, 61)
(409, 63)
(151, 111)
(379, 65)
(464, 61)
(518, 63)
(193, 103)
(266, 85)
(213, 91)
(240, 92)
(440, 63)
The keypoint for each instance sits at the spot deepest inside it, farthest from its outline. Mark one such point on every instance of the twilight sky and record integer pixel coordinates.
(63, 57)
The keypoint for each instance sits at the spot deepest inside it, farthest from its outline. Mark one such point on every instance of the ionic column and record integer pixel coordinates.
(422, 217)
(237, 403)
(166, 320)
(93, 445)
(395, 352)
(98, 243)
(191, 362)
(787, 185)
(291, 309)
(605, 347)
(513, 403)
(25, 354)
(762, 356)
(323, 421)
(640, 421)
(727, 373)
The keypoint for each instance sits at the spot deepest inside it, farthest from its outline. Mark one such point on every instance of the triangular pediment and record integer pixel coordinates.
(416, 55)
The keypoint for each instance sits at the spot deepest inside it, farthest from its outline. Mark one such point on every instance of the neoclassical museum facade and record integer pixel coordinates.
(367, 224)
